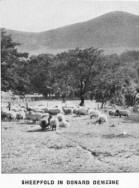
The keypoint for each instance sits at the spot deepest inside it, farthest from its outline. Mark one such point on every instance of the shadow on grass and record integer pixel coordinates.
(39, 130)
(28, 123)
(110, 136)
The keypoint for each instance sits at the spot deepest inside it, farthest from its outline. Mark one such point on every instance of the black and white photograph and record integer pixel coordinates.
(69, 86)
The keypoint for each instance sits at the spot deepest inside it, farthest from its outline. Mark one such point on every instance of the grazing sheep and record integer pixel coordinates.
(8, 115)
(75, 110)
(54, 111)
(64, 124)
(60, 117)
(33, 116)
(67, 110)
(4, 116)
(23, 113)
(12, 115)
(14, 109)
(45, 121)
(101, 118)
(112, 113)
(93, 113)
(136, 108)
(19, 116)
(45, 110)
(80, 111)
(121, 113)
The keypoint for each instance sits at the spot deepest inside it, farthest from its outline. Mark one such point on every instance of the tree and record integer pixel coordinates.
(40, 72)
(114, 81)
(82, 65)
(10, 59)
(62, 76)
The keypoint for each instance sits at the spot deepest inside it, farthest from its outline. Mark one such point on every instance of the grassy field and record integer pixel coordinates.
(83, 147)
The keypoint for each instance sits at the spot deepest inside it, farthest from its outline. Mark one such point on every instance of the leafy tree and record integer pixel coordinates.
(62, 76)
(114, 82)
(129, 56)
(10, 58)
(81, 63)
(39, 69)
(76, 73)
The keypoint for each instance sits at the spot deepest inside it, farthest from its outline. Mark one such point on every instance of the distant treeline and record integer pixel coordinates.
(77, 73)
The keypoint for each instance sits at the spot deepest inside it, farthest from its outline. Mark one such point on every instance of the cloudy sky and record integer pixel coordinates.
(41, 15)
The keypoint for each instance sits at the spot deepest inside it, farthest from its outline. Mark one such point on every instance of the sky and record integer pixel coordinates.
(42, 15)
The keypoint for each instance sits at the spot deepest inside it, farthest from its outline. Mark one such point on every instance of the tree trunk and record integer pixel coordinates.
(103, 102)
(82, 92)
(82, 100)
(63, 98)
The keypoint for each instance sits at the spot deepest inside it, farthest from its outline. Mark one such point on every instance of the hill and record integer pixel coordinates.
(113, 32)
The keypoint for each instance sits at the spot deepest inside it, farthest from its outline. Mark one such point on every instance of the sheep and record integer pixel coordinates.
(45, 110)
(45, 121)
(101, 118)
(93, 113)
(136, 108)
(19, 116)
(122, 113)
(18, 112)
(54, 111)
(40, 111)
(64, 124)
(112, 113)
(80, 111)
(67, 110)
(33, 116)
(22, 106)
(23, 113)
(75, 110)
(4, 115)
(14, 109)
(8, 115)
(119, 113)
(12, 115)
(53, 123)
(60, 117)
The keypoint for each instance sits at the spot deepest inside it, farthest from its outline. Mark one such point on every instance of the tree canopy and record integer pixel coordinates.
(77, 73)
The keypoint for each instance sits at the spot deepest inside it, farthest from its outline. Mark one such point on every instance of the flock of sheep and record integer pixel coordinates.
(54, 117)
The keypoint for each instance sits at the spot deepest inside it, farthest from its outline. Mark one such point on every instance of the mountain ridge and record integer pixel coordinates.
(114, 30)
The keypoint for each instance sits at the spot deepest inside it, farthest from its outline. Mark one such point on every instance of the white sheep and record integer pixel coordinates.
(20, 115)
(60, 117)
(54, 111)
(81, 111)
(33, 116)
(93, 113)
(13, 114)
(54, 123)
(64, 124)
(8, 115)
(101, 118)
